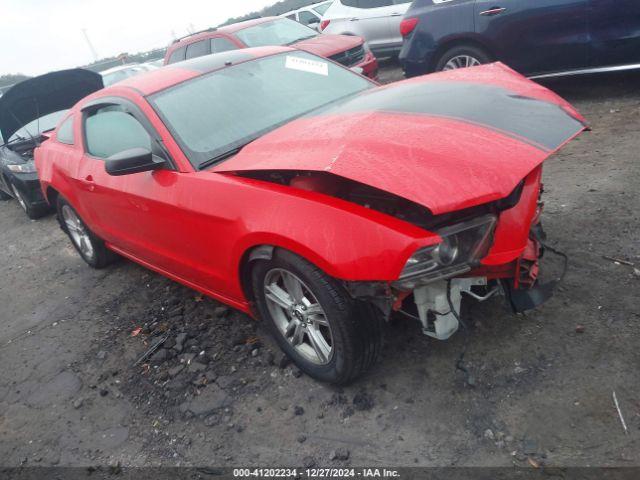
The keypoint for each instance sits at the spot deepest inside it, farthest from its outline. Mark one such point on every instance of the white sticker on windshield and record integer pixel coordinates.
(306, 65)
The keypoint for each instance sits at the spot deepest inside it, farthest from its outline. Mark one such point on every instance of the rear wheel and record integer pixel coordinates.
(32, 212)
(91, 248)
(462, 56)
(317, 324)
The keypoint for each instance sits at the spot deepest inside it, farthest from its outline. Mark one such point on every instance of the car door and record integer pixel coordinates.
(152, 215)
(123, 210)
(614, 26)
(535, 37)
(370, 19)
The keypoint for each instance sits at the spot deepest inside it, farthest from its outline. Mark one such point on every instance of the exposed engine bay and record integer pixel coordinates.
(375, 199)
(23, 148)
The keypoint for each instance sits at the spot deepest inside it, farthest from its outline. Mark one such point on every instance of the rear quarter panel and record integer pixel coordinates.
(439, 26)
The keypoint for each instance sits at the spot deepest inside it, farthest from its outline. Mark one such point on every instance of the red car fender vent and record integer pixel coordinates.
(407, 26)
(324, 24)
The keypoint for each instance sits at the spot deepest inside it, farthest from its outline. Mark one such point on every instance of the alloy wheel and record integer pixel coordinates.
(298, 315)
(77, 232)
(461, 61)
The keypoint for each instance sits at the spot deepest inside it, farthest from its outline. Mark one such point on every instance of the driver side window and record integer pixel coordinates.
(110, 130)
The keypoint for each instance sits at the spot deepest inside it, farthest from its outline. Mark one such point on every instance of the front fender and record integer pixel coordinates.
(345, 240)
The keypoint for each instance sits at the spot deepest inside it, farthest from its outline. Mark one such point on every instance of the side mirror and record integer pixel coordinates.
(134, 160)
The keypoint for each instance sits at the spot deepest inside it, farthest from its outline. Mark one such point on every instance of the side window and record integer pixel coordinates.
(308, 18)
(111, 130)
(197, 49)
(65, 132)
(292, 17)
(350, 3)
(221, 44)
(177, 56)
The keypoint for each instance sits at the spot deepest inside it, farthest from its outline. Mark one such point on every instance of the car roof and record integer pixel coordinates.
(153, 81)
(227, 29)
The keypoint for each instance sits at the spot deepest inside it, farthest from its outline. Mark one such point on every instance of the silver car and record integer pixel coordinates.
(310, 15)
(377, 21)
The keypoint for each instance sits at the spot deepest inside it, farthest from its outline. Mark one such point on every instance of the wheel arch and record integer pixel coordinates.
(266, 251)
(450, 43)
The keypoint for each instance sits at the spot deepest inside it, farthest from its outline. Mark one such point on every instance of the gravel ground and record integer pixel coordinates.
(218, 392)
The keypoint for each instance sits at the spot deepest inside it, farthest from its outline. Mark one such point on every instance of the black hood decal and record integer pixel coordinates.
(45, 94)
(539, 123)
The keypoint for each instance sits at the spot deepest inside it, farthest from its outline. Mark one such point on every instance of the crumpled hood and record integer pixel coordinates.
(39, 96)
(325, 45)
(447, 141)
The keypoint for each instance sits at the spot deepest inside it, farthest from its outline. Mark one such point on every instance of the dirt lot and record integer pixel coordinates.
(220, 394)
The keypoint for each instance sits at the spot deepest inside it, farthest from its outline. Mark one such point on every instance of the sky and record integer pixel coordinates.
(37, 36)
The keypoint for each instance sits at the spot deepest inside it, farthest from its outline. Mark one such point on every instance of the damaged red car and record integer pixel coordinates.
(304, 194)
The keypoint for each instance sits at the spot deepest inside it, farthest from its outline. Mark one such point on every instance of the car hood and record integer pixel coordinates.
(446, 141)
(326, 45)
(39, 96)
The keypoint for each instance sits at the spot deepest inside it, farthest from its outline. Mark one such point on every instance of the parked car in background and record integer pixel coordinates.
(304, 194)
(349, 51)
(122, 72)
(27, 111)
(536, 38)
(377, 21)
(310, 15)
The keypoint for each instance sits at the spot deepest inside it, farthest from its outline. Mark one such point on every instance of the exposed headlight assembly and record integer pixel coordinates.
(462, 247)
(28, 167)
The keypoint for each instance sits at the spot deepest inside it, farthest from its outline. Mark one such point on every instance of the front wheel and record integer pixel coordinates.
(91, 248)
(462, 56)
(317, 324)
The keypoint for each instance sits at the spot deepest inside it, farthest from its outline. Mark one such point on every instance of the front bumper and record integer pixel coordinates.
(368, 67)
(29, 186)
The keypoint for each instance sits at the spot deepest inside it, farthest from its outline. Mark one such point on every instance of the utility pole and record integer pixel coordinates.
(93, 50)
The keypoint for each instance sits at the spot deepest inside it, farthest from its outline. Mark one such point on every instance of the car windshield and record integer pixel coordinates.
(36, 127)
(215, 114)
(278, 32)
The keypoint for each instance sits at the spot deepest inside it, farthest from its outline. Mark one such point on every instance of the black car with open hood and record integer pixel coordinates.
(27, 110)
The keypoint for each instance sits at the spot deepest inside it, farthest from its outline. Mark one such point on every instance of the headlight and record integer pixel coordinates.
(28, 167)
(462, 247)
(367, 48)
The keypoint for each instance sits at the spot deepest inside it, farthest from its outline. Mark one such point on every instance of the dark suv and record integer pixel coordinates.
(536, 38)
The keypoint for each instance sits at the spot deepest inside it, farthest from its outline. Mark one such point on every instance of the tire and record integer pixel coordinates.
(32, 212)
(353, 330)
(91, 248)
(461, 51)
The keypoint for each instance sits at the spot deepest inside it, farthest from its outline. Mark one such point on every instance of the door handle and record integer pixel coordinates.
(88, 183)
(354, 19)
(396, 14)
(493, 11)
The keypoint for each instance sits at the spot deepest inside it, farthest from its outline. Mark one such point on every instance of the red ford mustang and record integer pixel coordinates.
(297, 191)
